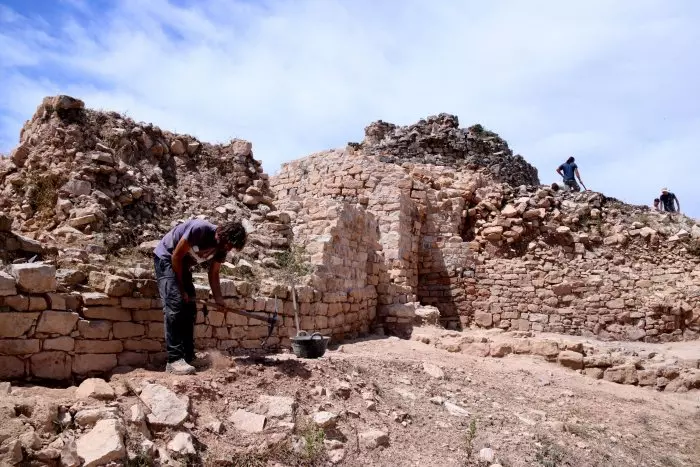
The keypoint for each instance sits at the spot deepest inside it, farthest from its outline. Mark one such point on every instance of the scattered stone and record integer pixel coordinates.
(455, 410)
(35, 277)
(248, 421)
(167, 409)
(103, 444)
(433, 370)
(182, 444)
(91, 416)
(96, 388)
(374, 438)
(486, 455)
(570, 359)
(215, 426)
(325, 419)
(30, 440)
(343, 390)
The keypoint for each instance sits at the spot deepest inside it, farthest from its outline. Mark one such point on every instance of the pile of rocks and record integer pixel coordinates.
(81, 176)
(438, 140)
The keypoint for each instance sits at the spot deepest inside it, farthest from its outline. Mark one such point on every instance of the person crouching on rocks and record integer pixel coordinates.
(192, 242)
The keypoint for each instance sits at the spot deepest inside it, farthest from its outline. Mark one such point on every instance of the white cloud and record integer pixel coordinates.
(612, 83)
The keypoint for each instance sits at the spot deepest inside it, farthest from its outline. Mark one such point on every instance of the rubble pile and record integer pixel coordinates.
(82, 176)
(438, 140)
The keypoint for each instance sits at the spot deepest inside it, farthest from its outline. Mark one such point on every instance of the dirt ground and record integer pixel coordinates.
(527, 411)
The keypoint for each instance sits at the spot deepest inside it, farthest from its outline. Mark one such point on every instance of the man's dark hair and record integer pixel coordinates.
(233, 232)
(570, 160)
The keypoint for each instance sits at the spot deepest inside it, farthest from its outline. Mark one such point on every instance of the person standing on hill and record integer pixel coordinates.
(191, 242)
(569, 172)
(667, 201)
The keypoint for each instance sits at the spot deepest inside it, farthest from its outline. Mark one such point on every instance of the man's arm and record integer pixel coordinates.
(559, 171)
(215, 283)
(678, 203)
(178, 255)
(578, 175)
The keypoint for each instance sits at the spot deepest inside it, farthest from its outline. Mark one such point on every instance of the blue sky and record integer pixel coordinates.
(614, 83)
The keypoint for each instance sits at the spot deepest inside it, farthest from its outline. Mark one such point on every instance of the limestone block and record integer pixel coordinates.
(11, 368)
(570, 359)
(116, 286)
(7, 285)
(57, 322)
(98, 346)
(51, 365)
(547, 349)
(107, 313)
(64, 343)
(86, 363)
(16, 324)
(98, 299)
(127, 329)
(483, 319)
(35, 277)
(623, 374)
(94, 329)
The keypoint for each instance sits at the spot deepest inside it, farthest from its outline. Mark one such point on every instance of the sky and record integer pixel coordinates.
(612, 83)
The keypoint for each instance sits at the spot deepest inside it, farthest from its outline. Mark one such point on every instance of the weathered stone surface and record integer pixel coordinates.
(548, 349)
(325, 419)
(167, 409)
(35, 277)
(433, 370)
(116, 286)
(96, 388)
(11, 368)
(455, 410)
(483, 319)
(126, 329)
(16, 324)
(64, 343)
(277, 408)
(57, 322)
(500, 349)
(19, 346)
(107, 313)
(87, 363)
(51, 365)
(7, 285)
(182, 444)
(248, 421)
(570, 359)
(623, 374)
(88, 417)
(103, 444)
(373, 439)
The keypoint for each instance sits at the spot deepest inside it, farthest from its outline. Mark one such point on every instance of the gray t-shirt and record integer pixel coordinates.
(200, 234)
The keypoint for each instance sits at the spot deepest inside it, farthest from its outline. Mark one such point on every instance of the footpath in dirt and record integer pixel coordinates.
(375, 402)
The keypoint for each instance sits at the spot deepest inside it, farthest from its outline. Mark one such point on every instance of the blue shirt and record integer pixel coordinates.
(568, 170)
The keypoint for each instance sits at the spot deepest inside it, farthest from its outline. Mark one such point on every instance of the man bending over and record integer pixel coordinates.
(192, 242)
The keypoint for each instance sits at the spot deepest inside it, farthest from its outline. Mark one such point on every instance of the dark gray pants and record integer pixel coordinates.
(179, 317)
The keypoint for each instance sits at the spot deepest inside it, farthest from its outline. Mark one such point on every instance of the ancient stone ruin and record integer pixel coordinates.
(418, 223)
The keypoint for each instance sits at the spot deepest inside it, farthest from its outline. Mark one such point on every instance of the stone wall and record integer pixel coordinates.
(488, 254)
(50, 332)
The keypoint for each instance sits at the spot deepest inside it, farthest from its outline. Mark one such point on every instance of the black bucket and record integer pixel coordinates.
(309, 346)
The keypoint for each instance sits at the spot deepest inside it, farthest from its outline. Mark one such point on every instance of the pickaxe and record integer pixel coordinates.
(270, 319)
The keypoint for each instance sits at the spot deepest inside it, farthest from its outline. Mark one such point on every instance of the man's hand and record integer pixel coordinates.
(185, 297)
